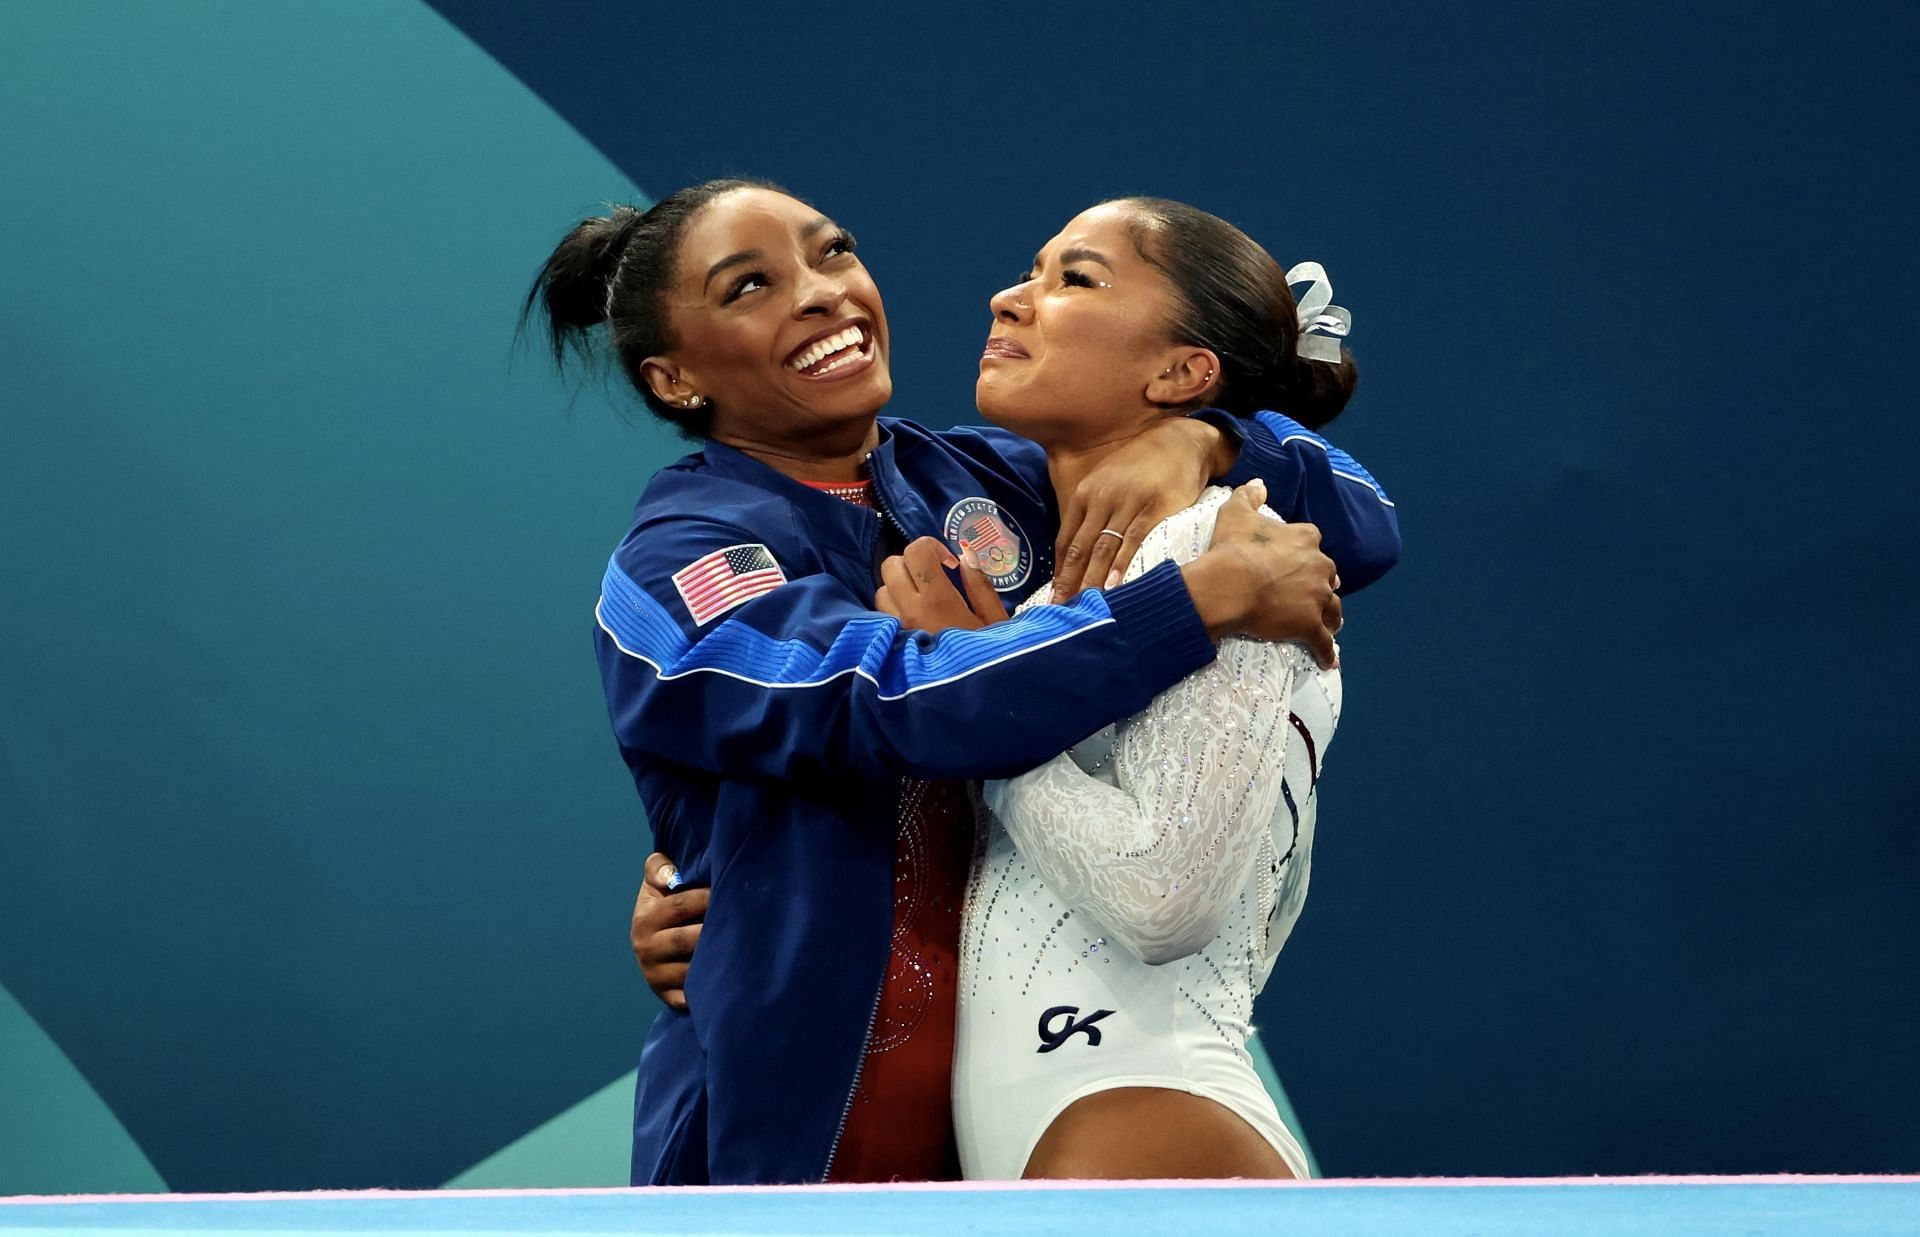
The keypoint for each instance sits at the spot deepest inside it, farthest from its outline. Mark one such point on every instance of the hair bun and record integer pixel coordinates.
(1314, 392)
(576, 280)
(1232, 298)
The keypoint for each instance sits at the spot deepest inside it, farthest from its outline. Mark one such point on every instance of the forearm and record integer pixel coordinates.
(1160, 856)
(1221, 582)
(879, 702)
(1093, 846)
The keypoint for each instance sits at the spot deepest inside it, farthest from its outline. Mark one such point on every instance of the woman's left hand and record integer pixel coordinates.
(1116, 505)
(664, 930)
(915, 589)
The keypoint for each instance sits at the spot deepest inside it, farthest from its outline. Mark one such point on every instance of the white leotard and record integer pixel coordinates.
(1154, 871)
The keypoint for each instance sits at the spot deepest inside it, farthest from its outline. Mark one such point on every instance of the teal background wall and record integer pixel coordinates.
(315, 856)
(315, 853)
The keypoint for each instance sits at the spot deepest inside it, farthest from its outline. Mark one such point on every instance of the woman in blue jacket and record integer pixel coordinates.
(772, 719)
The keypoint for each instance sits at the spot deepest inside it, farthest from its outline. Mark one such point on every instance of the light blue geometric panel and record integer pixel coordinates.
(56, 1134)
(587, 1144)
(1655, 1207)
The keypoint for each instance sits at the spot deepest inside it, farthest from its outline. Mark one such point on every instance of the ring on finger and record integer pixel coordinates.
(1108, 532)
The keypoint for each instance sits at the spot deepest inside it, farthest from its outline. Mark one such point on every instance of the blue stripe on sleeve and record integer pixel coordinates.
(1285, 428)
(642, 628)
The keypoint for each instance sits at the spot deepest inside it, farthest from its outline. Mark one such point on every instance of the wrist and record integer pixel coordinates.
(1222, 586)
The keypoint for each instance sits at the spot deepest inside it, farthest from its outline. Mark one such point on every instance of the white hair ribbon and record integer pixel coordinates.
(1318, 313)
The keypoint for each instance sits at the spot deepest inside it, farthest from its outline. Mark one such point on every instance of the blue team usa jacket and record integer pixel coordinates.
(768, 714)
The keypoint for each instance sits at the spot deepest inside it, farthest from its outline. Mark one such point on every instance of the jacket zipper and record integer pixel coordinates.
(880, 501)
(846, 1109)
(873, 1015)
(908, 805)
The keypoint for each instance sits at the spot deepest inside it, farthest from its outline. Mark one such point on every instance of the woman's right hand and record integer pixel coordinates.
(665, 928)
(1266, 579)
(918, 593)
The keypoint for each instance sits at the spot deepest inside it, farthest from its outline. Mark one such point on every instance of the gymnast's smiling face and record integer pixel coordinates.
(1081, 343)
(775, 323)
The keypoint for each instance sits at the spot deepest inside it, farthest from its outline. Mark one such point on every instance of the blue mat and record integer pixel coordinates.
(1806, 1207)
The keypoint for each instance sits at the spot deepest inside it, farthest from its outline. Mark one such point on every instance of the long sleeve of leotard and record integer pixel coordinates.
(1159, 858)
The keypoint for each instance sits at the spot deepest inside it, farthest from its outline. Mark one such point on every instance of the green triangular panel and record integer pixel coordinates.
(57, 1136)
(587, 1145)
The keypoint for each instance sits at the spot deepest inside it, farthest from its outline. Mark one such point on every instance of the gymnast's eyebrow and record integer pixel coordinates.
(732, 259)
(754, 255)
(1084, 255)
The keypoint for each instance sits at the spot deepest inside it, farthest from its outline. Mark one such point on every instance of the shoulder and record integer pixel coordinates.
(686, 513)
(1182, 536)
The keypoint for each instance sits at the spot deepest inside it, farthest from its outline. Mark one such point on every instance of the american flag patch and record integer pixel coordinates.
(723, 579)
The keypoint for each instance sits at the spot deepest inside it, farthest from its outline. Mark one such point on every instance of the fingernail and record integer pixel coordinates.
(968, 557)
(1113, 578)
(673, 878)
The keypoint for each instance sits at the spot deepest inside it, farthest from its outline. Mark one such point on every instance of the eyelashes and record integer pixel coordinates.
(1069, 276)
(743, 285)
(840, 244)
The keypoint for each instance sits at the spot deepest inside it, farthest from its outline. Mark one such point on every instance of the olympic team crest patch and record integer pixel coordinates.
(979, 525)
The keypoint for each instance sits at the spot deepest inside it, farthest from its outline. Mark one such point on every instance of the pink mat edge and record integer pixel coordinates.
(962, 1186)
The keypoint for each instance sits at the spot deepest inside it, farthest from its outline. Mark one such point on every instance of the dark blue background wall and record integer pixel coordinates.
(1618, 872)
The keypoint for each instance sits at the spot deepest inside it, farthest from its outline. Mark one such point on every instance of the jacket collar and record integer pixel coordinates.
(891, 488)
(836, 527)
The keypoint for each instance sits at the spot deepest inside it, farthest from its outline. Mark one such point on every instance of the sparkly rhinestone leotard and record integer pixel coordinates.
(899, 1121)
(1128, 898)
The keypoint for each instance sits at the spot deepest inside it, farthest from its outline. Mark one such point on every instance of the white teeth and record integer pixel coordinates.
(848, 338)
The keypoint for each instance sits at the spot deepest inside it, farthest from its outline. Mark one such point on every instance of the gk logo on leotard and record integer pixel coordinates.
(1051, 1039)
(979, 525)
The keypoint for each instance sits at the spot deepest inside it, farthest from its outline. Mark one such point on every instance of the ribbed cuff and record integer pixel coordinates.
(1163, 629)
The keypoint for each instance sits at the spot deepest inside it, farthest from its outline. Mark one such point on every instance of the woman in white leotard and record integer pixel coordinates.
(1128, 897)
(1127, 902)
